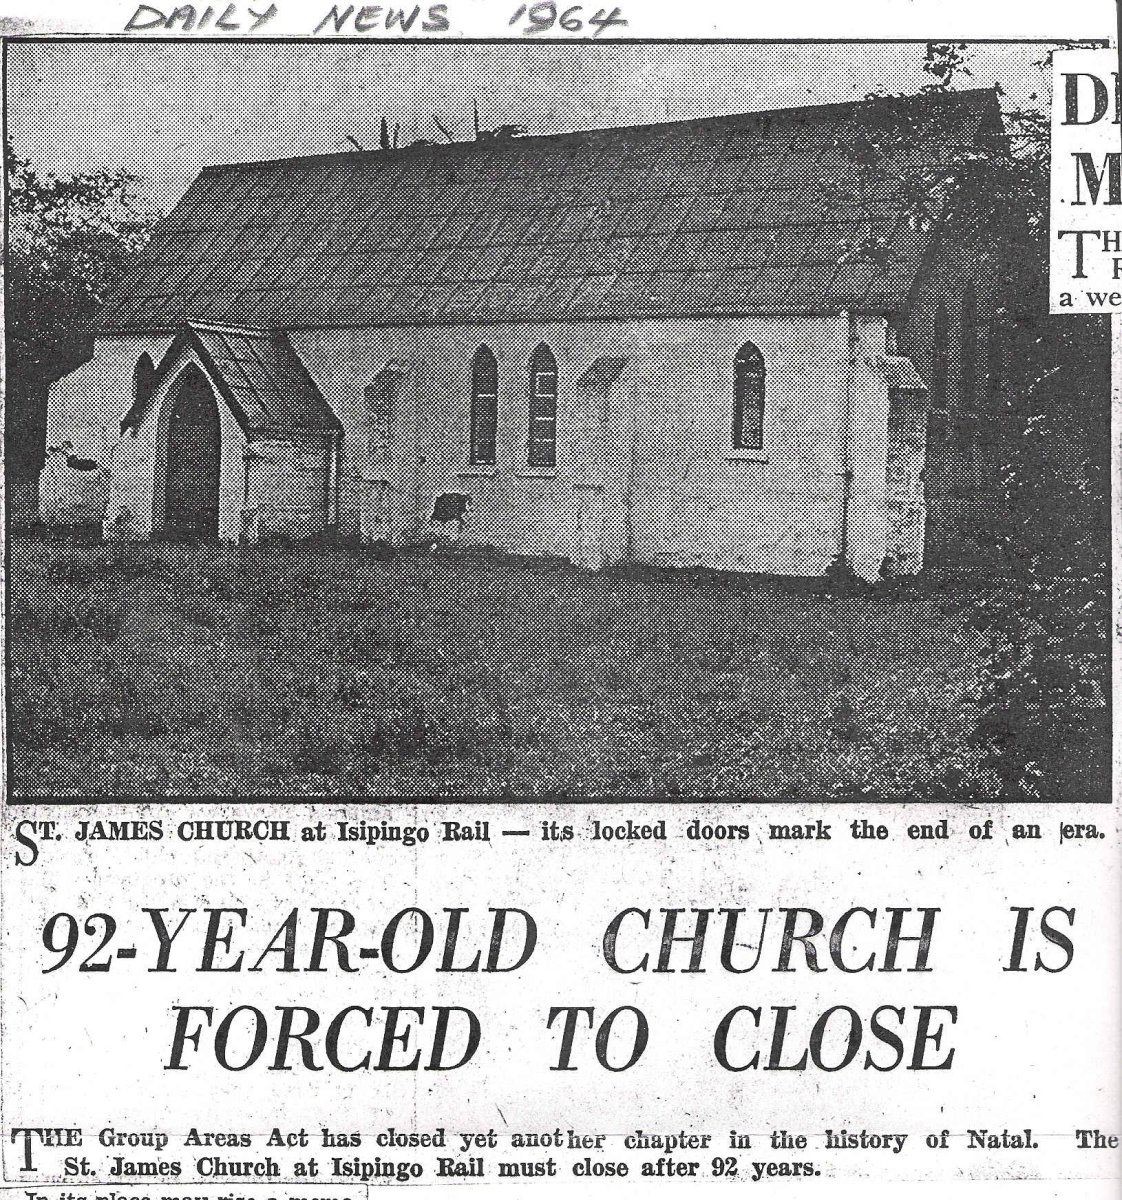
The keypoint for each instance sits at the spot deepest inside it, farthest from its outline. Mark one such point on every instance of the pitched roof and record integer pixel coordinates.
(256, 372)
(728, 215)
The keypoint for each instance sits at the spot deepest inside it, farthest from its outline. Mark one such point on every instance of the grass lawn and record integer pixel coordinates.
(151, 670)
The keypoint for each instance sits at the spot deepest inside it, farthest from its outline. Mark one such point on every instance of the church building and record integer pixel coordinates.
(725, 342)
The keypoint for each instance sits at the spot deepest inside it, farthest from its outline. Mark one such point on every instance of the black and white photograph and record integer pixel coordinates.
(541, 420)
(560, 601)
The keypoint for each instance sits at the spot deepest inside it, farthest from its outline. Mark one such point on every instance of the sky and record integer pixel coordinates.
(167, 109)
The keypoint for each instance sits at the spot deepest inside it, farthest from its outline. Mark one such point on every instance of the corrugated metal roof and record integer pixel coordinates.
(257, 372)
(741, 215)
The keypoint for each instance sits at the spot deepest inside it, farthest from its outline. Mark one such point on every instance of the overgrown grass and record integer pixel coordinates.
(157, 669)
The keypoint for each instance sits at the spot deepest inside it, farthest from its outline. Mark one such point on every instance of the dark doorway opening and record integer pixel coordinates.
(194, 453)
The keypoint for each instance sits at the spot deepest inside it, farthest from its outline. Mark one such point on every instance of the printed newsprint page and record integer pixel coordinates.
(559, 600)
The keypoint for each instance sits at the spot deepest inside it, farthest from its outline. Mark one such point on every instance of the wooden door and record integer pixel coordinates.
(194, 452)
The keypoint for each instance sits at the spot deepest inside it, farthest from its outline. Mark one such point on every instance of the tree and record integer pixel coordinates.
(69, 239)
(1042, 722)
(1043, 718)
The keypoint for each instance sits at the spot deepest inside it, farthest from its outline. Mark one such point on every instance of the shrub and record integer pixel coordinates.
(1042, 721)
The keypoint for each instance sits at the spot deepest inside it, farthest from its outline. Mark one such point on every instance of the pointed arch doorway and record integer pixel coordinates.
(194, 447)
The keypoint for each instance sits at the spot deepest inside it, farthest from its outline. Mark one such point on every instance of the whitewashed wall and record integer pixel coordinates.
(86, 406)
(138, 468)
(647, 471)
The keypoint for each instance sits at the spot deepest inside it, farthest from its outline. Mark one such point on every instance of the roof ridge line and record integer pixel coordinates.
(440, 149)
(224, 327)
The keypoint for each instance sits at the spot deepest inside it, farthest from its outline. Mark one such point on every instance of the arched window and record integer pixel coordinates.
(484, 407)
(143, 378)
(969, 349)
(380, 397)
(939, 360)
(143, 387)
(748, 399)
(543, 409)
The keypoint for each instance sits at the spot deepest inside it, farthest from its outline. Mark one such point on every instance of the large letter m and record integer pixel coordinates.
(1086, 171)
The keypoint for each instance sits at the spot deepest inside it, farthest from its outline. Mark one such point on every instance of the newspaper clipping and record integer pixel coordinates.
(559, 609)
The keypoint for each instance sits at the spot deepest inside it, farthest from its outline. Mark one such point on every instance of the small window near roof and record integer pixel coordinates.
(542, 450)
(748, 399)
(484, 407)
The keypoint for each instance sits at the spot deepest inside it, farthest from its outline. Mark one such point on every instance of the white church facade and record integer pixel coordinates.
(641, 345)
